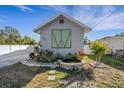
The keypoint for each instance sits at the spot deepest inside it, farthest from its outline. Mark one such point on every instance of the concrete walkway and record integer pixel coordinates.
(51, 75)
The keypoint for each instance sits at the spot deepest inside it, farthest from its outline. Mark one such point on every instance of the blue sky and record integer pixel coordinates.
(26, 18)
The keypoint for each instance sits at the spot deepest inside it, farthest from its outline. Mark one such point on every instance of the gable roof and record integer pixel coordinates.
(83, 26)
(111, 37)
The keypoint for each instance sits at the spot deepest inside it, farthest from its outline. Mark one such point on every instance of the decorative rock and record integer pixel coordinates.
(71, 66)
(53, 66)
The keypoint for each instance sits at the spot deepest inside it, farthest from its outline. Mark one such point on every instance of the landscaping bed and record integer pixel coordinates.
(40, 55)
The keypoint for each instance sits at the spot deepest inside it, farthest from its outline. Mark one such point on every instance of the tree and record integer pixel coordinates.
(99, 49)
(2, 37)
(26, 40)
(11, 36)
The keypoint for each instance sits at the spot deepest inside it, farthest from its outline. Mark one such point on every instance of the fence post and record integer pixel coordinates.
(19, 47)
(10, 48)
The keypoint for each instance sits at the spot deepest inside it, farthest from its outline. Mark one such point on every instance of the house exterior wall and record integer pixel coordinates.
(77, 35)
(114, 43)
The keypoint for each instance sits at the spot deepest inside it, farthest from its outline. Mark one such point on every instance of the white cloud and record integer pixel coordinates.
(114, 22)
(92, 15)
(58, 8)
(89, 15)
(24, 8)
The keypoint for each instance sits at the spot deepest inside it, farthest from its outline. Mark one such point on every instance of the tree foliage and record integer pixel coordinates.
(99, 49)
(11, 36)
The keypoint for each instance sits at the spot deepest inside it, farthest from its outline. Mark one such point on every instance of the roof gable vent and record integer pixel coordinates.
(61, 20)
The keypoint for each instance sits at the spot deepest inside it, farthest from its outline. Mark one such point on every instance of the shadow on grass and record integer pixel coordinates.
(76, 76)
(111, 61)
(19, 75)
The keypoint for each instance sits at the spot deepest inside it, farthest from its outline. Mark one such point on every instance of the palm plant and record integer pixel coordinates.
(98, 50)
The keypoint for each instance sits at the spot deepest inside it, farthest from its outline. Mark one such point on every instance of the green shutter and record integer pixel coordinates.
(61, 38)
(56, 38)
(66, 38)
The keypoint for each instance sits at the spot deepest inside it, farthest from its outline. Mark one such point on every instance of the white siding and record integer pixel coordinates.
(87, 50)
(114, 43)
(76, 32)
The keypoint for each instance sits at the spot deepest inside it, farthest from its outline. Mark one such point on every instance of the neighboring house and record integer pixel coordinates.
(114, 43)
(62, 34)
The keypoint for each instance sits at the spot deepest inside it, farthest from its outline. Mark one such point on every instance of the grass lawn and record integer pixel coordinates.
(112, 61)
(20, 75)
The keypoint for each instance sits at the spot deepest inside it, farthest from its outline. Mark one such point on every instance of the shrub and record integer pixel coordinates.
(32, 56)
(99, 49)
(81, 54)
(45, 56)
(58, 56)
(37, 47)
(71, 56)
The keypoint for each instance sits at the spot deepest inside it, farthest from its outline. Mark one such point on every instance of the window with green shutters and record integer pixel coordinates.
(61, 38)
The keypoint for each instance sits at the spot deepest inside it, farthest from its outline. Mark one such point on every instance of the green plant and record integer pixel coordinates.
(48, 55)
(71, 56)
(59, 56)
(99, 49)
(44, 56)
(37, 47)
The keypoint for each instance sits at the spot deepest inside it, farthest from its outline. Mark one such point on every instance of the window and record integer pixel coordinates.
(61, 38)
(61, 21)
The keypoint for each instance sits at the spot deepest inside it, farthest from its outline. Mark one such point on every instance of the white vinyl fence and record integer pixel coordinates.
(5, 49)
(87, 49)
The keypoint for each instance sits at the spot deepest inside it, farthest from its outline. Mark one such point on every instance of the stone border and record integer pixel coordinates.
(71, 66)
(66, 66)
(32, 63)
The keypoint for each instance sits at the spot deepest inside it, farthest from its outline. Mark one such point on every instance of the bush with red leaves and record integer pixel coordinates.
(81, 54)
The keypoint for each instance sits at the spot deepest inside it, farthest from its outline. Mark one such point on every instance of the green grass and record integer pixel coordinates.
(19, 75)
(112, 61)
(110, 76)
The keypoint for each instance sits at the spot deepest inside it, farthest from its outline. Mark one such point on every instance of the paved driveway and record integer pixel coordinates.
(14, 57)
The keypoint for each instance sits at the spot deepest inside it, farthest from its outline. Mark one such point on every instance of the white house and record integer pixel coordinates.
(62, 34)
(114, 43)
